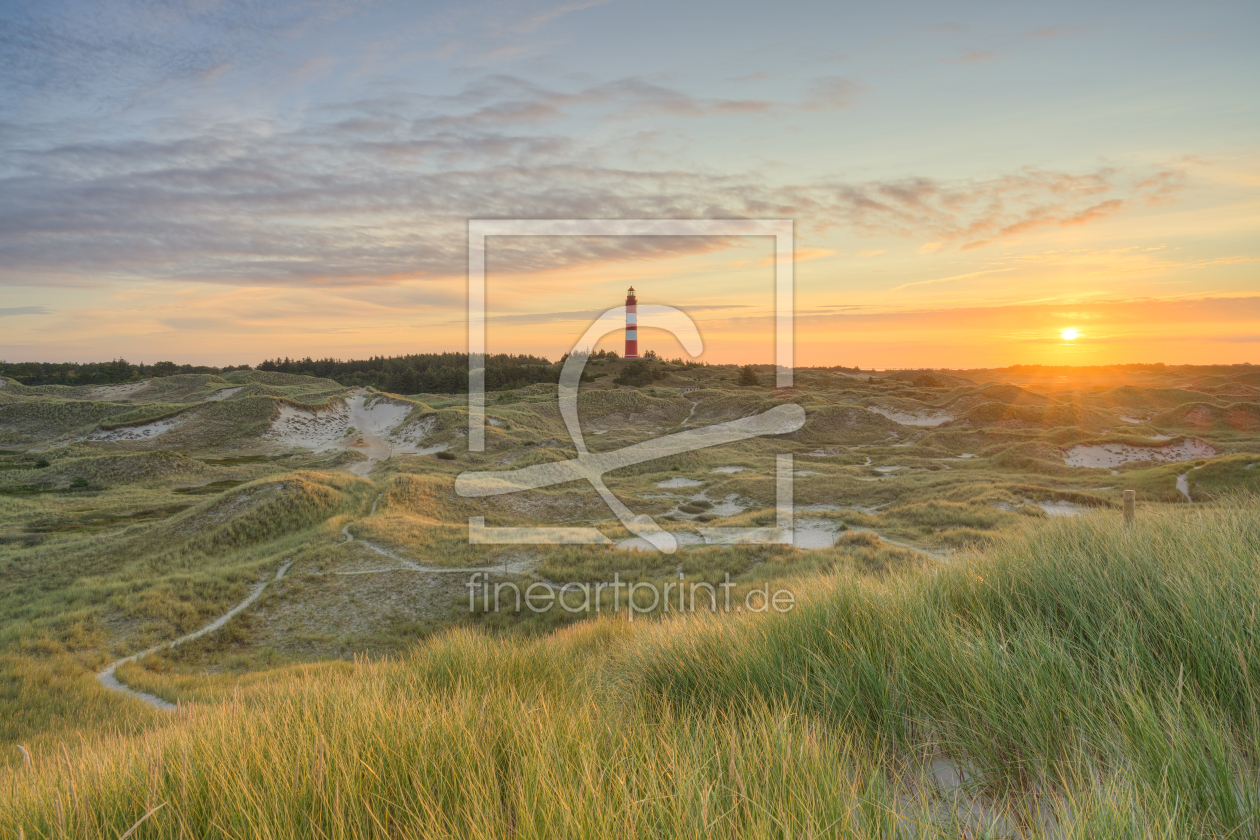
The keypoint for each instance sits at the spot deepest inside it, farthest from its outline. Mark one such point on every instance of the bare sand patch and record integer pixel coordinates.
(412, 433)
(381, 416)
(308, 428)
(640, 544)
(381, 433)
(374, 428)
(109, 393)
(679, 482)
(916, 418)
(1103, 455)
(813, 534)
(729, 506)
(729, 469)
(141, 432)
(1061, 508)
(224, 393)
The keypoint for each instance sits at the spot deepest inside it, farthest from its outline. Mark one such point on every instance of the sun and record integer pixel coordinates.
(1069, 334)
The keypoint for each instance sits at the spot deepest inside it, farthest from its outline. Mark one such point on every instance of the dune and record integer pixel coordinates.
(1106, 455)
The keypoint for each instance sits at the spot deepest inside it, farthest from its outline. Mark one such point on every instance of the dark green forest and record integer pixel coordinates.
(421, 373)
(98, 373)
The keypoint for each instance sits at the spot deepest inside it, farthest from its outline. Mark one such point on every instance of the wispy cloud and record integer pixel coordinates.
(112, 48)
(974, 213)
(24, 310)
(801, 255)
(369, 191)
(934, 280)
(832, 92)
(534, 21)
(973, 57)
(369, 194)
(1055, 31)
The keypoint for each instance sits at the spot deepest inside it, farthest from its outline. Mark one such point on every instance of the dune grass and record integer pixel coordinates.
(1087, 679)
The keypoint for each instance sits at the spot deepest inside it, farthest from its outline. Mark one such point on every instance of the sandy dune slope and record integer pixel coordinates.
(141, 432)
(375, 426)
(110, 393)
(1105, 455)
(921, 418)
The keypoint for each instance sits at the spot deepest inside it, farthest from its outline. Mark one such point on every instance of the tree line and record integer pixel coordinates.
(417, 373)
(115, 372)
(423, 373)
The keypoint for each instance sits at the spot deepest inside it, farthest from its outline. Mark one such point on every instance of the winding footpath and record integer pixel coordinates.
(109, 678)
(412, 566)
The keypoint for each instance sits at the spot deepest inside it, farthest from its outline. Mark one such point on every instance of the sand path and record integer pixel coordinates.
(518, 566)
(694, 403)
(109, 678)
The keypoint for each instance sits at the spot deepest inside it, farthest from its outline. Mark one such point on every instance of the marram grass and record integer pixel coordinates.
(1088, 680)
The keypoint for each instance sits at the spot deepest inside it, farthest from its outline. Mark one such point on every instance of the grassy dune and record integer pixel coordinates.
(1088, 680)
(1078, 675)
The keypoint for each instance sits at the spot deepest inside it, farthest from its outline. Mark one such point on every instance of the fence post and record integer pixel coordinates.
(1129, 497)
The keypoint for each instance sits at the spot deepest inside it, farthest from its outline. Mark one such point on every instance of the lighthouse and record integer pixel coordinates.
(632, 325)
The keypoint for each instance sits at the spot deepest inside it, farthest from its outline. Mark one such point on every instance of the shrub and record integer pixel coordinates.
(638, 374)
(446, 456)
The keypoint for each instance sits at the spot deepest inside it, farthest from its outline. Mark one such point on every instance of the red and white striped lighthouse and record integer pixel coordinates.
(632, 325)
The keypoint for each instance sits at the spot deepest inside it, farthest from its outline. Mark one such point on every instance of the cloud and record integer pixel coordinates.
(1054, 31)
(375, 191)
(508, 100)
(24, 310)
(974, 213)
(973, 57)
(800, 255)
(935, 280)
(832, 92)
(109, 49)
(581, 315)
(534, 21)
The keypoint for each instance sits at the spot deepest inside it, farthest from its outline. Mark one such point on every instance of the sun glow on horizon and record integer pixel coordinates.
(1069, 334)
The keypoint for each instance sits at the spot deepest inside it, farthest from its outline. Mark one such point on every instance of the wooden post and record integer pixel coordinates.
(1129, 497)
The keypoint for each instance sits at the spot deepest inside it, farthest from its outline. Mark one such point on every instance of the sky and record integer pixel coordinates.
(225, 181)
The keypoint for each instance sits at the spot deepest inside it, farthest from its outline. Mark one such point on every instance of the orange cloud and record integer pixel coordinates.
(802, 255)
